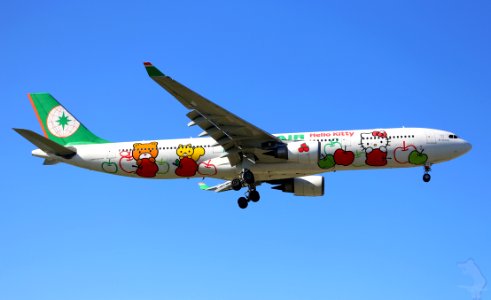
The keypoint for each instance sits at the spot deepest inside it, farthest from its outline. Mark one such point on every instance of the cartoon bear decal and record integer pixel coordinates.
(187, 164)
(145, 155)
(375, 146)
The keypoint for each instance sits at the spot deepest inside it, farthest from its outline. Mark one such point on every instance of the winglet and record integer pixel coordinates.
(151, 70)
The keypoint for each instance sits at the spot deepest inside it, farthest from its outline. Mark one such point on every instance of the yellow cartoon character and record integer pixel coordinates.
(187, 163)
(145, 155)
(197, 153)
(184, 151)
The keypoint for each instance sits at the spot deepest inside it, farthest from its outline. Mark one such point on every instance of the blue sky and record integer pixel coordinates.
(285, 66)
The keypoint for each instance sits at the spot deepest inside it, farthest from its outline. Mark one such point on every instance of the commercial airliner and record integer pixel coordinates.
(235, 150)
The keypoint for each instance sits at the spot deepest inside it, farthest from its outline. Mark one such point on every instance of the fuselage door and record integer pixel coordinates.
(346, 143)
(430, 138)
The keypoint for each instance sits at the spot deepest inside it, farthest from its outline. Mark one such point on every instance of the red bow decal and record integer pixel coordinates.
(381, 134)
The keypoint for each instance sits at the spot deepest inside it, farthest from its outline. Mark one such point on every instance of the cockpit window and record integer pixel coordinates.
(453, 136)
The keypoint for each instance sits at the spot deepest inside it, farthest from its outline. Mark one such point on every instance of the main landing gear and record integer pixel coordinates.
(427, 176)
(251, 195)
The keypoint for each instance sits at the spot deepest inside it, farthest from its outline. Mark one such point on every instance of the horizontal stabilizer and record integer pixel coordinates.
(226, 186)
(222, 187)
(45, 144)
(49, 162)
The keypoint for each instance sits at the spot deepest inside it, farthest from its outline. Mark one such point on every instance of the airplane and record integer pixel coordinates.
(234, 150)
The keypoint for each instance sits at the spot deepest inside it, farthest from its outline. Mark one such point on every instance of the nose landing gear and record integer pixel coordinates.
(427, 176)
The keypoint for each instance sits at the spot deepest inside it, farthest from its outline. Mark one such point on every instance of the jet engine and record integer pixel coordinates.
(301, 186)
(304, 152)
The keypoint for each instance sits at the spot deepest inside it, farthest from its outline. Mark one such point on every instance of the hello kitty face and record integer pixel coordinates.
(374, 140)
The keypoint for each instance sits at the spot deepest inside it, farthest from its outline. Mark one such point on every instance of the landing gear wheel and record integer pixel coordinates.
(243, 202)
(426, 177)
(254, 196)
(248, 177)
(236, 184)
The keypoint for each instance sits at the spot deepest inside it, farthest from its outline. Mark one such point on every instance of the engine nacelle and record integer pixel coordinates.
(304, 152)
(302, 186)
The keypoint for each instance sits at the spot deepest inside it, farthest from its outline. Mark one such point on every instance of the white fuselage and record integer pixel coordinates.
(337, 150)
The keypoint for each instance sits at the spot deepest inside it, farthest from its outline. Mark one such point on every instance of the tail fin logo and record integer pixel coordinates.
(61, 123)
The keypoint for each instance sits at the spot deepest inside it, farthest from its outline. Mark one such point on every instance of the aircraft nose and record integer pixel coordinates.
(466, 147)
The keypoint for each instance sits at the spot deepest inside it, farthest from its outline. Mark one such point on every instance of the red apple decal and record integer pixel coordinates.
(147, 168)
(126, 162)
(343, 157)
(401, 154)
(187, 167)
(376, 158)
(206, 168)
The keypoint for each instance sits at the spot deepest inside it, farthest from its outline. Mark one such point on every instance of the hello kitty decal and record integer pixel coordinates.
(375, 146)
(373, 150)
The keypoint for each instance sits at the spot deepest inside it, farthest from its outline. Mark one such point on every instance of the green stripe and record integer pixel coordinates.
(153, 71)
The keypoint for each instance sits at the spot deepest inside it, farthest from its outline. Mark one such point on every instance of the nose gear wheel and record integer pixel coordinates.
(427, 176)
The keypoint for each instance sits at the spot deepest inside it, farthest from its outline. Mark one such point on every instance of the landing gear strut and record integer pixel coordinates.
(252, 194)
(248, 177)
(427, 176)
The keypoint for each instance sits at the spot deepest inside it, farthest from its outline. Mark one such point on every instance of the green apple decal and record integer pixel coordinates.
(332, 144)
(109, 166)
(401, 154)
(417, 158)
(327, 162)
(163, 166)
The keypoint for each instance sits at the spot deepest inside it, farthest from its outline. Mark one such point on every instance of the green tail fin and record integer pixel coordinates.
(58, 124)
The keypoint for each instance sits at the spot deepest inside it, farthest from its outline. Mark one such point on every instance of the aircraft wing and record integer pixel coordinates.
(237, 136)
